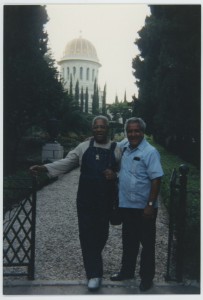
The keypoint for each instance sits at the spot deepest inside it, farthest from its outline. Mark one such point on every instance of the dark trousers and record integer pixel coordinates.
(93, 233)
(135, 231)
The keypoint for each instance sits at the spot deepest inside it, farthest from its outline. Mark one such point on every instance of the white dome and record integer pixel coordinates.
(80, 49)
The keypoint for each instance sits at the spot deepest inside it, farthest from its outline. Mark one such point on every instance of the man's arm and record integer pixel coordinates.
(61, 166)
(155, 188)
(154, 193)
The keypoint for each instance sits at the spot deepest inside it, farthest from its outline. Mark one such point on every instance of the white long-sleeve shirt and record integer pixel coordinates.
(74, 158)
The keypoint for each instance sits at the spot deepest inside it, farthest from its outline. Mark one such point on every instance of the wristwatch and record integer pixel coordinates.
(150, 203)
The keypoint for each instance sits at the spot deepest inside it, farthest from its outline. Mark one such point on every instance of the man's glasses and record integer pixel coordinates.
(99, 126)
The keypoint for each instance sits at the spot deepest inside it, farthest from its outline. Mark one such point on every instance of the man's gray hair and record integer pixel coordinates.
(100, 117)
(136, 120)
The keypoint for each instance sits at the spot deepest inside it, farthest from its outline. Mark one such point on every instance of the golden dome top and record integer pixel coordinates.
(80, 48)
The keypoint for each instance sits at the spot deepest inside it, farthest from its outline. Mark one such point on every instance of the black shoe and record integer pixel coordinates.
(120, 276)
(145, 285)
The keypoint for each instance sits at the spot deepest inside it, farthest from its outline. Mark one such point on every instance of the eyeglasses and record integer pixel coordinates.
(99, 126)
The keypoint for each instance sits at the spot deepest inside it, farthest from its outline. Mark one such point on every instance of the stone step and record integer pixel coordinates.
(79, 287)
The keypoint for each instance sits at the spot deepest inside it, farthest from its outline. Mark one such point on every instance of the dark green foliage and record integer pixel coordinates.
(116, 99)
(70, 92)
(95, 100)
(86, 100)
(125, 97)
(168, 77)
(104, 101)
(74, 120)
(120, 110)
(77, 93)
(31, 89)
(81, 100)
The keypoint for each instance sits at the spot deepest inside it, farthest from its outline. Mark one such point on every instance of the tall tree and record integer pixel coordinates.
(104, 101)
(82, 100)
(95, 100)
(71, 87)
(31, 89)
(77, 94)
(125, 97)
(86, 100)
(168, 76)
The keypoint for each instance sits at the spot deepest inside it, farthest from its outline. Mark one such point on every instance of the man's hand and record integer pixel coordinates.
(148, 212)
(36, 170)
(109, 174)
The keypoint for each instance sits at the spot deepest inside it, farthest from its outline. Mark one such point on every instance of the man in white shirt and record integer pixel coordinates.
(98, 159)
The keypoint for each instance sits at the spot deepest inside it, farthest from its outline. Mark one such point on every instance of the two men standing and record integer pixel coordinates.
(139, 182)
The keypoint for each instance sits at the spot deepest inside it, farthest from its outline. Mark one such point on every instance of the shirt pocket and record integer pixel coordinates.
(136, 167)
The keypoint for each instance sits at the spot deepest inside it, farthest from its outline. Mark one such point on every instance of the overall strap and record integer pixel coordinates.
(113, 146)
(124, 150)
(91, 142)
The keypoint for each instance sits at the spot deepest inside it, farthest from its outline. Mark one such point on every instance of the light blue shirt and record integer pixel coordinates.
(138, 167)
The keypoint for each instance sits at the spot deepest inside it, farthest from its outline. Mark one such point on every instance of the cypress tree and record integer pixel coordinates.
(125, 98)
(77, 93)
(71, 87)
(81, 100)
(86, 100)
(95, 99)
(104, 101)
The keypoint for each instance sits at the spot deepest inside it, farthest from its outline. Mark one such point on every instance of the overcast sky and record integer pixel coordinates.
(112, 29)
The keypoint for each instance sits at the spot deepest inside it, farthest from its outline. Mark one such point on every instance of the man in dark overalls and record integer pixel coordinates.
(98, 158)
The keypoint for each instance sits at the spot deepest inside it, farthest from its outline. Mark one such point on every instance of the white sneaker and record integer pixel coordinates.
(94, 283)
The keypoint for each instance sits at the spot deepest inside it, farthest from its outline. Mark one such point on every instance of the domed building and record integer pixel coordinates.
(80, 61)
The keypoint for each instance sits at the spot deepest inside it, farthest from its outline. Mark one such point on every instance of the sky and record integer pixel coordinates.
(112, 29)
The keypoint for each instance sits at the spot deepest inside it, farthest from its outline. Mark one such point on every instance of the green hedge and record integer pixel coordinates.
(16, 187)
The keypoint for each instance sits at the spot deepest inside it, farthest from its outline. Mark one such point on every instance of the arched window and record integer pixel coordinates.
(93, 75)
(74, 71)
(81, 73)
(87, 74)
(68, 73)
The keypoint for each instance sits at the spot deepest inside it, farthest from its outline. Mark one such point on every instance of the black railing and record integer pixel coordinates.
(177, 219)
(19, 232)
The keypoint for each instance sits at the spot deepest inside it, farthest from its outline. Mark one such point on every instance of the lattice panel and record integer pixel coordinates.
(19, 234)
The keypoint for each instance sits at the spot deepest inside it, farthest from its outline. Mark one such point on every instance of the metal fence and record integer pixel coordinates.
(177, 220)
(19, 232)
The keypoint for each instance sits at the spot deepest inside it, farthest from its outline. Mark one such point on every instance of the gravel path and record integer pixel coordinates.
(58, 253)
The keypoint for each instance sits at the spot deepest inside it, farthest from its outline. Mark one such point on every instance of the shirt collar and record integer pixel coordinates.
(140, 146)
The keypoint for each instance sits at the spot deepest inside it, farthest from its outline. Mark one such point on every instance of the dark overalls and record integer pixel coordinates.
(94, 202)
